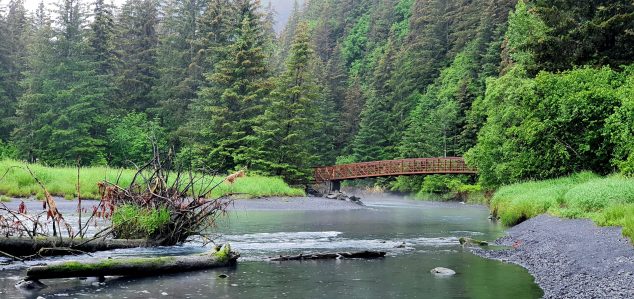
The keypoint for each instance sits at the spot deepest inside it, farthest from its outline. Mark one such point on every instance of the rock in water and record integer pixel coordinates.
(30, 285)
(465, 241)
(440, 271)
(332, 196)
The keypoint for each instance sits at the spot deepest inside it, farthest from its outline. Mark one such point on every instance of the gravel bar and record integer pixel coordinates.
(570, 258)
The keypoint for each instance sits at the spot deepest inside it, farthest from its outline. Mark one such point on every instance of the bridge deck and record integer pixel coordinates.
(453, 165)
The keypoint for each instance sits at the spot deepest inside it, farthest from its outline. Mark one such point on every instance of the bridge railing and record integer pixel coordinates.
(450, 165)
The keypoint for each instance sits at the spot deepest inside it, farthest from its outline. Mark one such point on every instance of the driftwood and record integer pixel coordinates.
(328, 256)
(21, 247)
(136, 267)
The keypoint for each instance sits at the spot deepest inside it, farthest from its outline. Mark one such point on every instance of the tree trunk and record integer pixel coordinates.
(21, 247)
(133, 266)
(326, 256)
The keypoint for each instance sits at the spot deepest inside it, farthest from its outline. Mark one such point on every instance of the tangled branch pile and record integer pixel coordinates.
(161, 206)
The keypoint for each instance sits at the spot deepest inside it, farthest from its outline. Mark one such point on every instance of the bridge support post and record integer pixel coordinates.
(335, 186)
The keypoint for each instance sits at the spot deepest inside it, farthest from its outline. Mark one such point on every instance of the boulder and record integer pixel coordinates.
(440, 271)
(466, 241)
(332, 196)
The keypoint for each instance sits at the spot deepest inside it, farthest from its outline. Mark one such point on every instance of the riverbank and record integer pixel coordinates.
(570, 258)
(608, 201)
(298, 203)
(62, 182)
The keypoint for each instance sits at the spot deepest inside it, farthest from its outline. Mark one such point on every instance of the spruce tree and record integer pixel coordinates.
(136, 42)
(35, 106)
(284, 138)
(58, 122)
(176, 86)
(228, 107)
(14, 30)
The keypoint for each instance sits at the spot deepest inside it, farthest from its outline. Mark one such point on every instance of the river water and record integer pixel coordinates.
(429, 231)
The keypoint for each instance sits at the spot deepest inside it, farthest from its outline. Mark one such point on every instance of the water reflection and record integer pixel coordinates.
(429, 231)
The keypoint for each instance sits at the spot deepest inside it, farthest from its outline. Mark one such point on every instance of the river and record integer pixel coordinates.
(428, 229)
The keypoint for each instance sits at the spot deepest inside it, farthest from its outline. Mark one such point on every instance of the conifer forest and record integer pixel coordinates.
(528, 89)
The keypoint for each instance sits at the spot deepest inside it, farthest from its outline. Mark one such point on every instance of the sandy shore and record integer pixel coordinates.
(570, 258)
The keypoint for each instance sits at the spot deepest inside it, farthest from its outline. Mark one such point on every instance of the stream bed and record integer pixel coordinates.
(429, 231)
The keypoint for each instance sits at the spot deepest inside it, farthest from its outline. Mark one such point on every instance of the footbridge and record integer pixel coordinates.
(417, 166)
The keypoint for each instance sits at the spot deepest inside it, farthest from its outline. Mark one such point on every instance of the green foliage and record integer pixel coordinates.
(355, 43)
(620, 126)
(546, 127)
(524, 28)
(133, 222)
(229, 107)
(136, 41)
(132, 140)
(284, 138)
(435, 125)
(587, 32)
(440, 183)
(8, 151)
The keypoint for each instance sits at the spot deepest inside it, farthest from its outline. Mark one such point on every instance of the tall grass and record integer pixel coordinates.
(609, 201)
(61, 181)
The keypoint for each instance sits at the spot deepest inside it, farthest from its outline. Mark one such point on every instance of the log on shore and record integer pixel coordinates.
(326, 256)
(136, 267)
(21, 247)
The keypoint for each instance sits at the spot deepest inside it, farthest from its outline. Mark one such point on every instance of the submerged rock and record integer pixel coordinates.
(30, 285)
(465, 241)
(440, 271)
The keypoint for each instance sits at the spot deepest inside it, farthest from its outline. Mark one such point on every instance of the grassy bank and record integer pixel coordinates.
(609, 201)
(61, 181)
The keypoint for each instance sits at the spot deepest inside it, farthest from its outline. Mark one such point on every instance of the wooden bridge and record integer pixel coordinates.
(418, 166)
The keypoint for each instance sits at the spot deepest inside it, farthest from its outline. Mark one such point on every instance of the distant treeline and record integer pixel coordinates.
(525, 90)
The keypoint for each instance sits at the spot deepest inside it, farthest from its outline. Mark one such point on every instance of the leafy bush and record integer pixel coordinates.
(8, 151)
(553, 125)
(132, 139)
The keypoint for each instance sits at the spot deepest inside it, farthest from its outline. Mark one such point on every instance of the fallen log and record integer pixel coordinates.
(21, 247)
(326, 256)
(136, 267)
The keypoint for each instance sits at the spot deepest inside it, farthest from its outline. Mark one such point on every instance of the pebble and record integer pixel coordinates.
(570, 258)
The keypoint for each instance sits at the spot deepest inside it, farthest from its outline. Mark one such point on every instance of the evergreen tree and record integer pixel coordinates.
(35, 105)
(14, 30)
(137, 41)
(177, 85)
(228, 108)
(103, 54)
(58, 112)
(284, 136)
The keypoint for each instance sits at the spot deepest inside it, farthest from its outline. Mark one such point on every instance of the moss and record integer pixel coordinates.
(223, 254)
(107, 264)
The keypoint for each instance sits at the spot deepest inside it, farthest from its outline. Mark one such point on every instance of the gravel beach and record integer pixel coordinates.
(570, 258)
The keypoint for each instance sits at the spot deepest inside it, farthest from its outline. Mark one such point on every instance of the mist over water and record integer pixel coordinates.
(429, 232)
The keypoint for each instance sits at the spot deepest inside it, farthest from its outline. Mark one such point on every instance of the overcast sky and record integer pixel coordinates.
(283, 7)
